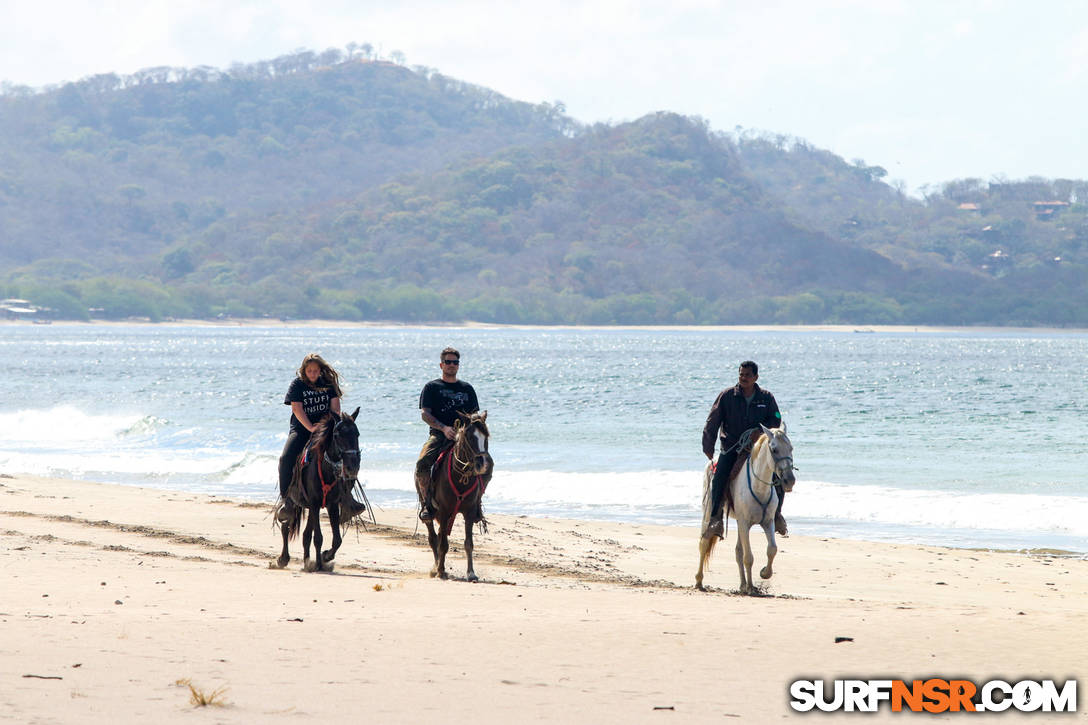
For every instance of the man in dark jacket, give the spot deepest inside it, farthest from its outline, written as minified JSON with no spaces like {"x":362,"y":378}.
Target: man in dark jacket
{"x":736,"y":410}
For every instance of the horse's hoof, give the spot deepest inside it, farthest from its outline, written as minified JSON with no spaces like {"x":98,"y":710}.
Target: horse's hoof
{"x":472,"y":577}
{"x":327,"y":555}
{"x":765,"y":573}
{"x":443,"y":575}
{"x":329,"y":567}
{"x":309,"y":565}
{"x":434,"y":573}
{"x":279,"y":563}
{"x":700,"y":587}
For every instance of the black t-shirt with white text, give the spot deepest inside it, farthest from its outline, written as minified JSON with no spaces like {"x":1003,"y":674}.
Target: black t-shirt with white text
{"x":446,"y":400}
{"x":316,"y":401}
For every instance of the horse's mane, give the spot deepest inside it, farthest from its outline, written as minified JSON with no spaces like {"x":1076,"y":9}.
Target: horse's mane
{"x":476,"y":419}
{"x":323,"y":430}
{"x":760,"y":442}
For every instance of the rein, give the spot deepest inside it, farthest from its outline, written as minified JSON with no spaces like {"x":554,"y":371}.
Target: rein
{"x":770,"y":484}
{"x":762,"y":504}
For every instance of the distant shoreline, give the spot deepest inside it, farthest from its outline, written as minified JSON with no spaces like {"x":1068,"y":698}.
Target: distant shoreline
{"x":468,"y":324}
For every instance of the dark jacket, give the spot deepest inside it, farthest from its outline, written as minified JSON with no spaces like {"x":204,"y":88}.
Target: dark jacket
{"x":730,"y":416}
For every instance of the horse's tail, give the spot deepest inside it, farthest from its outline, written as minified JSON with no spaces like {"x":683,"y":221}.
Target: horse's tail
{"x":708,"y":482}
{"x":295,"y":524}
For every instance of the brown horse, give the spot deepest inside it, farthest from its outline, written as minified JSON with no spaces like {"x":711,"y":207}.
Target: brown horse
{"x":459,"y":480}
{"x":323,"y":478}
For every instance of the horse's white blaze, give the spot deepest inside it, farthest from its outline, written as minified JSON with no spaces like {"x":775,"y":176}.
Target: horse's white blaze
{"x":481,"y":442}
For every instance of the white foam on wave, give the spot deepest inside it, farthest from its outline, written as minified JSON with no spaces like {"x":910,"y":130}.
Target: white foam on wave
{"x":253,"y":468}
{"x":559,"y":488}
{"x":65,"y":425}
{"x":682,"y":491}
{"x":942,"y":509}
{"x":152,"y":462}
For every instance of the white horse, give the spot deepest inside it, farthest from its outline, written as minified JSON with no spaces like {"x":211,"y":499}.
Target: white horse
{"x":754,"y":501}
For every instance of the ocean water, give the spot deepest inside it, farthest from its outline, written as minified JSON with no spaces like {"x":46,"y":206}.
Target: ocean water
{"x":963,"y":438}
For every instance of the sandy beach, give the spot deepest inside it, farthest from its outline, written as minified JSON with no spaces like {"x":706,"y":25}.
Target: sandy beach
{"x":117,"y":599}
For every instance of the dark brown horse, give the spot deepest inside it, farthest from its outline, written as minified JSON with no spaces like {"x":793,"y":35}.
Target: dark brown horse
{"x":459,"y":480}
{"x":323,"y":478}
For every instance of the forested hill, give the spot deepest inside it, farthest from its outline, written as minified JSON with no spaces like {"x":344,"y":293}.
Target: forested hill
{"x":339,"y":186}
{"x":112,"y":170}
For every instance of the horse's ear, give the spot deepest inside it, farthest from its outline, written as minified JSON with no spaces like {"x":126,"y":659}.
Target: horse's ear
{"x":462,"y":417}
{"x":783,"y":427}
{"x":483,"y":416}
{"x":766,"y":430}
{"x":355,"y":414}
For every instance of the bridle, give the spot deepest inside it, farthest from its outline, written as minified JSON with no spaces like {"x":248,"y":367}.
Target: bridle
{"x":464,"y":474}
{"x":462,"y":442}
{"x":336,"y":462}
{"x":779,"y":461}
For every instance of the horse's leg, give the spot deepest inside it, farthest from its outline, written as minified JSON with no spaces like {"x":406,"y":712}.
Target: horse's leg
{"x":744,"y":556}
{"x":772,"y":549}
{"x":334,"y":521}
{"x":285,"y":557}
{"x":312,"y":520}
{"x":318,"y":538}
{"x":471,"y":576}
{"x":432,"y":539}
{"x":443,"y":549}
{"x":706,"y":548}
{"x":706,"y":542}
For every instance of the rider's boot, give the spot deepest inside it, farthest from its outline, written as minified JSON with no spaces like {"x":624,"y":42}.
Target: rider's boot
{"x":353,"y":507}
{"x":423,"y":490}
{"x":286,"y":509}
{"x":716,"y":527}
{"x":779,"y":522}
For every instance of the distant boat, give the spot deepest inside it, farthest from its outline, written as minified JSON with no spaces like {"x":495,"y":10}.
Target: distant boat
{"x":42,"y":322}
{"x":867,"y":329}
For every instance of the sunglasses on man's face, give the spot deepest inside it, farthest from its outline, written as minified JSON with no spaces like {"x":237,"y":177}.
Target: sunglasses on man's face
{"x":451,"y":362}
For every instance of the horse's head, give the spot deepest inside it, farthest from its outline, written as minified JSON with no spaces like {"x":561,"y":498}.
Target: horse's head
{"x":343,"y":444}
{"x":782,"y":452}
{"x":472,"y":437}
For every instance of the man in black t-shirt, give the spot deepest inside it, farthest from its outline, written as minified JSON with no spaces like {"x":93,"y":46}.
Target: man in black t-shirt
{"x":440,"y":402}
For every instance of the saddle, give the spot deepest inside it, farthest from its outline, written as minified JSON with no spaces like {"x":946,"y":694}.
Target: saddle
{"x":440,"y":459}
{"x":742,"y":457}
{"x":294,"y":490}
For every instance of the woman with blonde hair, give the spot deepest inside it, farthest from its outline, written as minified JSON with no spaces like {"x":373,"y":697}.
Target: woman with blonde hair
{"x":313,"y":394}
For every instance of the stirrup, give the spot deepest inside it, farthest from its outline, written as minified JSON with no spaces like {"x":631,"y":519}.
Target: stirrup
{"x":283,"y":515}
{"x":426,"y":513}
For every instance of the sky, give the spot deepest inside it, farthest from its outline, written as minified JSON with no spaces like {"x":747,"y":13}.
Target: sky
{"x":930,"y":90}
